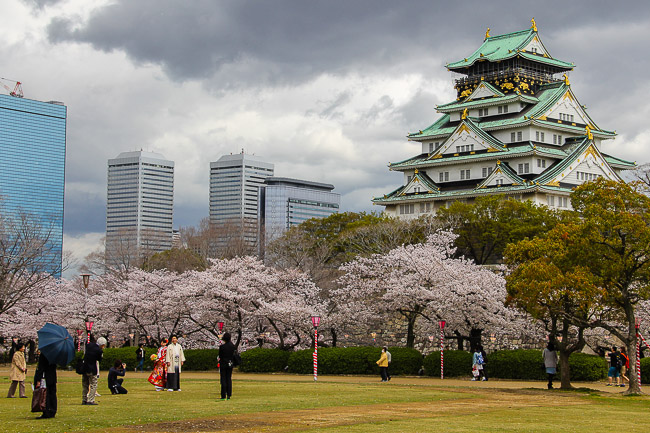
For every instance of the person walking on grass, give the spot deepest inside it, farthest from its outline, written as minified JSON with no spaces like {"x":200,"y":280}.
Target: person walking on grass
{"x":226,"y":359}
{"x":383,"y":364}
{"x":175,"y":360}
{"x":18,"y":372}
{"x":550,"y":362}
{"x":94,"y":354}
{"x":614,"y":371}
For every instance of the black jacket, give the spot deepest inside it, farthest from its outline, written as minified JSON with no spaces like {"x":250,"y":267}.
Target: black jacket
{"x":226,"y":352}
{"x":45,"y":370}
{"x":139,"y":353}
{"x":112,"y":376}
{"x":94,"y":354}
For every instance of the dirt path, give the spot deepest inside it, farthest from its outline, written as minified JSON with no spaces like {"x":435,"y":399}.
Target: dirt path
{"x":297,"y":420}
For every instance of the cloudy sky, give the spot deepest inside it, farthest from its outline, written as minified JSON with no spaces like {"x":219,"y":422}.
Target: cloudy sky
{"x":325,"y":90}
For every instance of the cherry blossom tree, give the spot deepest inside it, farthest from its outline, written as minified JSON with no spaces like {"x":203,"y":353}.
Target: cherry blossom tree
{"x":425,"y":281}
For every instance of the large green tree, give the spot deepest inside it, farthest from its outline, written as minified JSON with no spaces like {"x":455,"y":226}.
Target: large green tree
{"x":549,"y":281}
{"x":486,"y":226}
{"x":607,"y":252}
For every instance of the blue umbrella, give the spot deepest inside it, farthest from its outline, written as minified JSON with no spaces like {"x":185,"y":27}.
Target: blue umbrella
{"x":56,"y":343}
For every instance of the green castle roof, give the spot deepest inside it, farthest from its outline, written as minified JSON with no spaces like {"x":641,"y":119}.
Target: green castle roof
{"x":503,"y":47}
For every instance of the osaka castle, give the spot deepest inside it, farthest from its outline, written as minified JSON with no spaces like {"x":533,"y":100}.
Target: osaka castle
{"x":516,"y":128}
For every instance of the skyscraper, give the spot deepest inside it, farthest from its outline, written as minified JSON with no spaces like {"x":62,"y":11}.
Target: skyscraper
{"x":32,"y":171}
{"x":139,"y":207}
{"x":286,"y":202}
{"x":234,"y":189}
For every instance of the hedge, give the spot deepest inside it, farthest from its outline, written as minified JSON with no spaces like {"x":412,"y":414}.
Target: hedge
{"x":516,"y":364}
{"x":458,"y":363}
{"x":260,"y":360}
{"x":195,"y":359}
{"x":355,"y":360}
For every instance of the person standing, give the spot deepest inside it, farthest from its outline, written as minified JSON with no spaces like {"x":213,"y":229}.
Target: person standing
{"x":175,"y":360}
{"x":158,"y":376}
{"x":46,"y":370}
{"x":94,"y":354}
{"x":18,"y":372}
{"x":139,"y":356}
{"x":383,"y":364}
{"x":226,"y":363}
{"x":550,"y":362}
{"x":115,"y":384}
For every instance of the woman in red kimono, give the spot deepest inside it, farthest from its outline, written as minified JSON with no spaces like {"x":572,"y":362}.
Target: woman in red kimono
{"x":158,"y":376}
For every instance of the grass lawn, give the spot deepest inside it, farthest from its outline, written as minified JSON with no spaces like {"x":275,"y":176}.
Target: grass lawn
{"x":277,"y":403}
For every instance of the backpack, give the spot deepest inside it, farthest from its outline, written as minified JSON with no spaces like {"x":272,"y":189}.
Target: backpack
{"x":479,"y":359}
{"x":80,"y":368}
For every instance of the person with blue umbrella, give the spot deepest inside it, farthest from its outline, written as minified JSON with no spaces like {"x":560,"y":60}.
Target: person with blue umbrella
{"x":57,"y":347}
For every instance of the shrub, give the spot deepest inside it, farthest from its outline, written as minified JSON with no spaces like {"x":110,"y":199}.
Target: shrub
{"x":200,"y":359}
{"x":645,"y":370}
{"x":458,"y":363}
{"x":261,"y":360}
{"x":587,"y":368}
{"x":516,"y":364}
{"x":528,"y":365}
{"x":405,"y":361}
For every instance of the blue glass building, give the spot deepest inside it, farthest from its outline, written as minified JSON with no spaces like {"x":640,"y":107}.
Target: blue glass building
{"x":32,"y":168}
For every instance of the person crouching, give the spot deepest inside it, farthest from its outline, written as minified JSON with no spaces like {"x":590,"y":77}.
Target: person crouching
{"x":115,"y":384}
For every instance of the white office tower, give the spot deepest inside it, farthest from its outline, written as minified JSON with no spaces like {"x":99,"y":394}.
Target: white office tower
{"x":139,"y":208}
{"x":234,"y":189}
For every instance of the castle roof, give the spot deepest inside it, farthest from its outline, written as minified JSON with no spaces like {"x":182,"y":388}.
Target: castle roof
{"x":507,"y":46}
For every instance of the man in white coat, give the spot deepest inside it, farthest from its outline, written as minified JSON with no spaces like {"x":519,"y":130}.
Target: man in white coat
{"x":174,"y":360}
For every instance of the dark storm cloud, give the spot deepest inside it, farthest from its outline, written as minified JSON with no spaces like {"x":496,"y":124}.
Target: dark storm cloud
{"x":194,"y":40}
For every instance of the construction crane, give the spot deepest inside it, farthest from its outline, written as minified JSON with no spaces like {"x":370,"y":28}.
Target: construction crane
{"x":17,"y":92}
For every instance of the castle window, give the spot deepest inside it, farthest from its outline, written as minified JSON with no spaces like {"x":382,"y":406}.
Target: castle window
{"x":430,"y":147}
{"x":498,"y":182}
{"x":444,"y":177}
{"x":541,"y":163}
{"x":559,"y":139}
{"x":500,"y":109}
{"x":536,"y":135}
{"x":541,"y":134}
{"x":512,"y":137}
{"x":505,"y":108}
{"x":464,"y":174}
{"x":554,"y":139}
{"x":519,"y":136}
{"x":421,"y":207}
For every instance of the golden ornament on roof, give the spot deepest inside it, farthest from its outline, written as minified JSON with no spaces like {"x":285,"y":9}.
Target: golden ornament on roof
{"x":464,"y":116}
{"x":487,"y":33}
{"x":566,"y":79}
{"x":588,"y":132}
{"x":534,"y":24}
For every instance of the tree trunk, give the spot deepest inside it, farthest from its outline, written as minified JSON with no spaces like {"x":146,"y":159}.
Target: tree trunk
{"x":410,"y":330}
{"x":459,"y":338}
{"x":565,"y":371}
{"x":474,"y":339}
{"x":333,"y":332}
{"x":632,"y":374}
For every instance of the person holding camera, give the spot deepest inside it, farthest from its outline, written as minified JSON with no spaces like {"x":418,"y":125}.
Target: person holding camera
{"x":115,"y":384}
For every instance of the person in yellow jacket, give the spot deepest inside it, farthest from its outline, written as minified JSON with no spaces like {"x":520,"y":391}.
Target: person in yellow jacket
{"x":383,"y":364}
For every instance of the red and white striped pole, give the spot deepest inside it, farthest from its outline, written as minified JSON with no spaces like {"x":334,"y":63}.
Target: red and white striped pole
{"x":637,"y":325}
{"x":315,"y":320}
{"x":442,"y":323}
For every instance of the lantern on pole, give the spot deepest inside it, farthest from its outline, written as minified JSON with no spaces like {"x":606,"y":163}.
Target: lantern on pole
{"x":315,"y":320}
{"x":442,"y":324}
{"x":637,"y":325}
{"x":220,"y":327}
{"x":89,"y":328}
{"x":373,"y":335}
